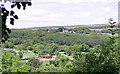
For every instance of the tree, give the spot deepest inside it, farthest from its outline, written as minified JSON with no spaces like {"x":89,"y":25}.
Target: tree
{"x":21,"y":47}
{"x":30,"y":48}
{"x":12,"y":63}
{"x":20,"y":55}
{"x":54,"y":62}
{"x":60,"y":29}
{"x":84,"y":48}
{"x":106,"y":58}
{"x":34,"y":63}
{"x":50,"y":68}
{"x":101,"y":58}
{"x":5,"y":13}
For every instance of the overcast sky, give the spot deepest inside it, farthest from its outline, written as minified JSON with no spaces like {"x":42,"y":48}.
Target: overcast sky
{"x":65,"y":12}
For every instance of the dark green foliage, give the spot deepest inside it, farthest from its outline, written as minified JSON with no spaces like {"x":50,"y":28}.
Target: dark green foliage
{"x":24,"y":5}
{"x":16,"y":17}
{"x":5,"y":30}
{"x":7,"y":45}
{"x":105,"y":59}
{"x":34,"y":62}
{"x":12,"y":63}
{"x":60,"y":29}
{"x":23,"y":36}
{"x":29,"y":3}
{"x":12,"y":13}
{"x":12,"y":21}
{"x":20,"y":55}
{"x":99,"y":27}
{"x":82,"y":30}
{"x":54,"y":62}
{"x":18,"y":5}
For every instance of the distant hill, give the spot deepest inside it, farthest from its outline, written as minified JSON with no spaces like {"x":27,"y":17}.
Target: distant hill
{"x":89,"y":26}
{"x":92,"y":26}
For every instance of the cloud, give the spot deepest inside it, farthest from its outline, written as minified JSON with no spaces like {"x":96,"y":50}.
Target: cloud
{"x":107,"y":9}
{"x":65,"y":12}
{"x":79,"y":1}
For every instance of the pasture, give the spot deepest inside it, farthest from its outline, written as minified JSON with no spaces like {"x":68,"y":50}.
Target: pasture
{"x":28,"y":54}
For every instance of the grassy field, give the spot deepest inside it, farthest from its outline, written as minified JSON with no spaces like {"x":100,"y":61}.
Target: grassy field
{"x":45,"y":62}
{"x":29,"y":54}
{"x":97,"y":29}
{"x":103,"y":29}
{"x":109,"y":34}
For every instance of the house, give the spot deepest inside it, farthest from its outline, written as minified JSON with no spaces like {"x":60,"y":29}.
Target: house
{"x":73,"y":32}
{"x":45,"y":57}
{"x":68,"y":31}
{"x":65,"y":30}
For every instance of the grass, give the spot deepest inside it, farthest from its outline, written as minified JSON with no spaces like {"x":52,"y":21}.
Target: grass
{"x":45,"y":62}
{"x":97,"y":29}
{"x":109,"y":34}
{"x":103,"y":29}
{"x":29,"y":54}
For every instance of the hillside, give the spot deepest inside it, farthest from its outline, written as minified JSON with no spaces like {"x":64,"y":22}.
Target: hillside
{"x":50,"y":49}
{"x":91,"y":26}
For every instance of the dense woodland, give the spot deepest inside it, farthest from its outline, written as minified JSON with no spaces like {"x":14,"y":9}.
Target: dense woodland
{"x":92,"y":51}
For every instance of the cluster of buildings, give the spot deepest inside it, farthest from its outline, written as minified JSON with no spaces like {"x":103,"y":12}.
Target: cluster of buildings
{"x":68,"y":31}
{"x":47,"y":57}
{"x":42,"y":57}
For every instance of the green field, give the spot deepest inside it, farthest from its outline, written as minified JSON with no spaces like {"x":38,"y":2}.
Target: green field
{"x":29,"y":54}
{"x":45,"y":62}
{"x":109,"y":34}
{"x":103,"y":29}
{"x":97,"y":29}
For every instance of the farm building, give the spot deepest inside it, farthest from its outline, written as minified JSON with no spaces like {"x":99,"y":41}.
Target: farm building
{"x":52,"y":56}
{"x":68,"y":31}
{"x":45,"y":57}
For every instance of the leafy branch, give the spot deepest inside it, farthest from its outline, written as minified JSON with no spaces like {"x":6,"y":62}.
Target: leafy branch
{"x":5,"y":13}
{"x":113,"y":31}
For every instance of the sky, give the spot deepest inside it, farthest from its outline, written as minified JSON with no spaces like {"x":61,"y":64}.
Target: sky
{"x":65,"y":12}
